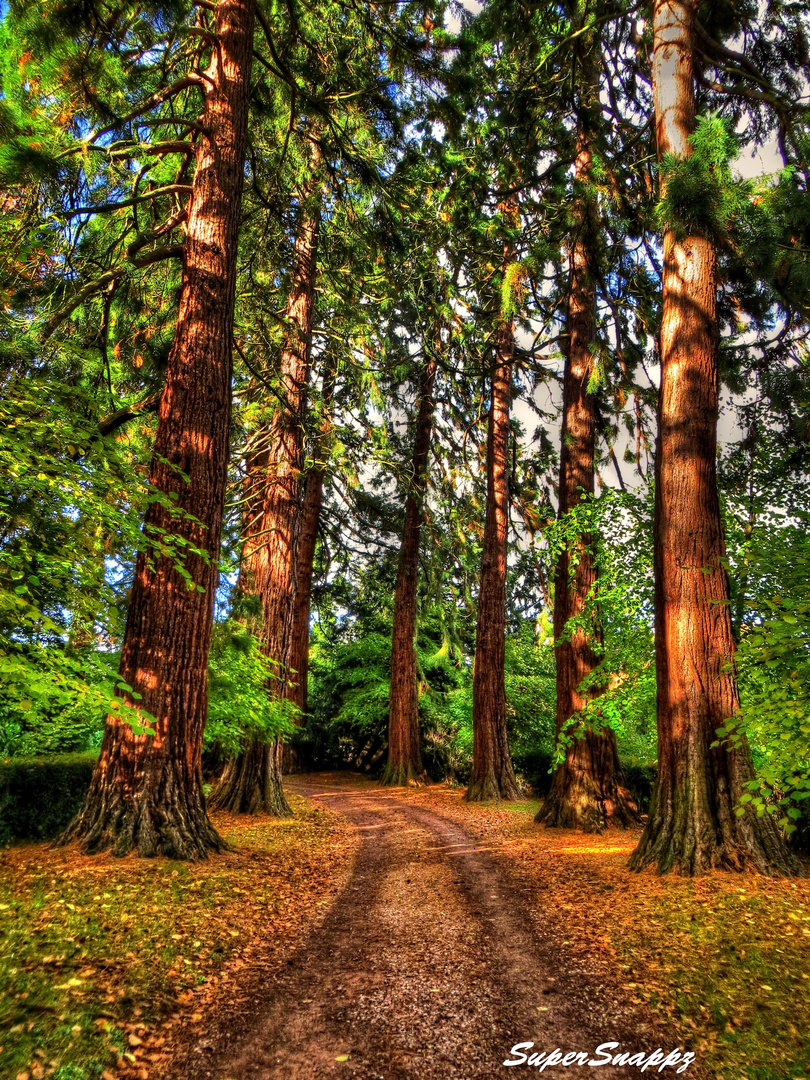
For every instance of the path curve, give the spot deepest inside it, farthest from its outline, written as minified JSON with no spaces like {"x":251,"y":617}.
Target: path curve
{"x":427,"y":966}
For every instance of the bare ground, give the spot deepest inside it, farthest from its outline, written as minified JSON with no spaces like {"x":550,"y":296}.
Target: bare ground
{"x":430,"y":964}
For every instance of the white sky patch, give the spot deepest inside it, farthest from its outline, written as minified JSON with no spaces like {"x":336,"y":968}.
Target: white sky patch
{"x":454,"y":20}
{"x":762,"y":161}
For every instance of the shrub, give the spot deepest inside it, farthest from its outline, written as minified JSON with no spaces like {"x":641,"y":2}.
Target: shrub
{"x":240,"y":708}
{"x":447,"y":736}
{"x":54,"y":702}
{"x":40,"y":796}
{"x":347,"y":725}
{"x":531,"y":704}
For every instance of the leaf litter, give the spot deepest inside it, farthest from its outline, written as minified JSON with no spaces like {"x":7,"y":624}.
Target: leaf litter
{"x":105,"y":963}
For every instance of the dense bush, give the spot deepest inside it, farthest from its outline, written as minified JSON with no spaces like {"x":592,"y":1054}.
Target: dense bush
{"x":67,"y":696}
{"x":40,"y":796}
{"x":531,"y":704}
{"x":773,"y":662}
{"x":347,"y":726}
{"x":239,"y":707}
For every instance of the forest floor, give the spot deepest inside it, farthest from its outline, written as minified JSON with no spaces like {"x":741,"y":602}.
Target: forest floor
{"x":390,"y":934}
{"x":105,"y":964}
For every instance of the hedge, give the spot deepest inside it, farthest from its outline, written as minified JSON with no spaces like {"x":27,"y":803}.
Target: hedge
{"x":40,"y":796}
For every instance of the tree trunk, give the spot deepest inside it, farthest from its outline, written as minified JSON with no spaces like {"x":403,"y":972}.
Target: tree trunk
{"x":692,"y":825}
{"x":146,"y":793}
{"x":588,"y":790}
{"x":252,"y":782}
{"x":307,"y":541}
{"x":404,"y":764}
{"x":492,"y":776}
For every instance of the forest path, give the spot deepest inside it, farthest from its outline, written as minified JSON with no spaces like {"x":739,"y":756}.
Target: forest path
{"x":427,"y":966}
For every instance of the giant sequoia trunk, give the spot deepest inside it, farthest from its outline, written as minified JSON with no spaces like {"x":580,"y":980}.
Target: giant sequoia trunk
{"x":252,"y":782}
{"x":298,"y":653}
{"x":692,"y":825}
{"x":404,"y":764}
{"x":588,"y":790}
{"x":492,"y":774}
{"x":146,"y":792}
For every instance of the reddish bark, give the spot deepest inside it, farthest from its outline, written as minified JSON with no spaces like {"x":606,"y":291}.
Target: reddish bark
{"x":252,"y":782}
{"x":587,"y":790}
{"x":404,"y":764}
{"x":307,"y":542}
{"x":692,"y":825}
{"x":146,"y":793}
{"x":493,"y":777}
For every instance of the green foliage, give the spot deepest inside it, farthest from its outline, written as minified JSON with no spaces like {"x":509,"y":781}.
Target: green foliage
{"x":513,"y":288}
{"x":40,"y":796}
{"x":617,"y":618}
{"x":447,"y":733}
{"x":445,"y":704}
{"x":531,"y":701}
{"x":69,"y":525}
{"x":699,"y":195}
{"x":242,"y":707}
{"x":68,"y":696}
{"x":773,"y":661}
{"x":348,"y":700}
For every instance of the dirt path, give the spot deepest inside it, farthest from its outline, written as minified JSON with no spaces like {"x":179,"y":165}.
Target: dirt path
{"x":427,"y":966}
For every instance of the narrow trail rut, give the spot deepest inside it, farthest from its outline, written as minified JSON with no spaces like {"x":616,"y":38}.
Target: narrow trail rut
{"x":427,"y":966}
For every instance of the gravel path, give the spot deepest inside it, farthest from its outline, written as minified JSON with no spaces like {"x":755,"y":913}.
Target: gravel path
{"x":428,"y":966}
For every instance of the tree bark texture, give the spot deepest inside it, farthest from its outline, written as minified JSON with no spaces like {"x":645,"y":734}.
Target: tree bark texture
{"x":404,"y":764}
{"x":692,"y":825}
{"x":305,"y":560}
{"x":146,"y":793}
{"x":588,"y":790}
{"x":493,"y":777}
{"x":253,"y":781}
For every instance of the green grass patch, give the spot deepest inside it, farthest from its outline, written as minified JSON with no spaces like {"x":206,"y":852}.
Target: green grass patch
{"x":737,"y":971}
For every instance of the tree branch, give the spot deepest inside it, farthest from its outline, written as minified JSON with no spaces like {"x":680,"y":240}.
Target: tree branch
{"x":152,"y":102}
{"x":100,"y":283}
{"x":108,"y":424}
{"x":111,"y":207}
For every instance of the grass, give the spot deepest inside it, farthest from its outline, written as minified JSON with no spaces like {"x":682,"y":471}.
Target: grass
{"x":100,"y":958}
